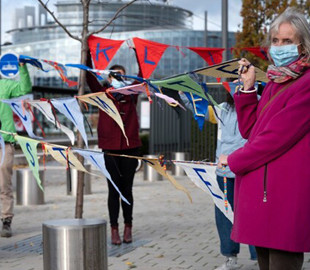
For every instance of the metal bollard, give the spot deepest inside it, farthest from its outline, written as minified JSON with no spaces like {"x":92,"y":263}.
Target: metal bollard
{"x":176,"y":170}
{"x":72,"y":185}
{"x":75,"y":244}
{"x":149,"y":173}
{"x":27,"y":189}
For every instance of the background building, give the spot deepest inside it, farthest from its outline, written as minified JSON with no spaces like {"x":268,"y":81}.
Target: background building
{"x":35,"y":34}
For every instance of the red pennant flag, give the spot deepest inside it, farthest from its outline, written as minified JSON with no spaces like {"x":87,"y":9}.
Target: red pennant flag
{"x":148,"y":54}
{"x":211,"y":55}
{"x":103,"y":50}
{"x":258,"y":51}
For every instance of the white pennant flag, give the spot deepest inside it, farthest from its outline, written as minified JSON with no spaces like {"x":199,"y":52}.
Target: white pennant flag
{"x":204,"y":177}
{"x":105,"y":104}
{"x":71,"y":109}
{"x":97,"y":159}
{"x":22,"y":113}
{"x":46,"y":109}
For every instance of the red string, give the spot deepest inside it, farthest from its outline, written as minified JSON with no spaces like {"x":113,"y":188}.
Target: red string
{"x":148,"y":92}
{"x":35,"y":119}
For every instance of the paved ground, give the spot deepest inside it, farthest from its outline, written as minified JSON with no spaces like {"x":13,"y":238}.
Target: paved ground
{"x":169,"y":232}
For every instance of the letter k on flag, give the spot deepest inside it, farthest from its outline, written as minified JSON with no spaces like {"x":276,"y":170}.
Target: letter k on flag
{"x":103,"y":50}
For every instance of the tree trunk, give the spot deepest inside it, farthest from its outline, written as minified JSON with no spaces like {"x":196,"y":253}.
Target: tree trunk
{"x":82,"y":84}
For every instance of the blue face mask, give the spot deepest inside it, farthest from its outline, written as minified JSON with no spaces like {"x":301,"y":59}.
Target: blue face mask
{"x":117,"y":84}
{"x":284,"y":55}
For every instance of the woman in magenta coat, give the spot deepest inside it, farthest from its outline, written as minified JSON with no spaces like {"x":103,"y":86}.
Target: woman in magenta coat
{"x":272,"y":187}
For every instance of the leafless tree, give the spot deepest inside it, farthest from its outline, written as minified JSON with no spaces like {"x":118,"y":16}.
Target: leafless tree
{"x":82,"y":78}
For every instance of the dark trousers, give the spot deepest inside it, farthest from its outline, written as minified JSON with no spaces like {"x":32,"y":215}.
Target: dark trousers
{"x":122,"y":171}
{"x":273,"y":259}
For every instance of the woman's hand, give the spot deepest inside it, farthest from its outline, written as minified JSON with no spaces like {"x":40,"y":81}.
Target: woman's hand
{"x":247,"y":71}
{"x":222,"y":161}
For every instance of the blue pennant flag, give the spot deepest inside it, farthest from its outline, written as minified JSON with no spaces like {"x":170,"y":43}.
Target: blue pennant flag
{"x":32,"y":61}
{"x":200,"y":107}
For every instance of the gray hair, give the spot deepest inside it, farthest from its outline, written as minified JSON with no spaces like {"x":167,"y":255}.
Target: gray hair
{"x":298,"y":21}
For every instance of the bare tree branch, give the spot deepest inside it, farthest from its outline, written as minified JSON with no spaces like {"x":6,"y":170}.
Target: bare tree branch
{"x":113,"y":18}
{"x":58,"y":22}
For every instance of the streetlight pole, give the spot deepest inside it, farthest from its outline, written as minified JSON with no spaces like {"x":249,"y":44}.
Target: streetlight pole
{"x":225,"y":28}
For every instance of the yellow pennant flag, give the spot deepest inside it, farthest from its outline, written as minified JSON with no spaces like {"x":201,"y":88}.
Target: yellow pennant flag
{"x":229,"y":69}
{"x":154,"y":163}
{"x":105,"y":104}
{"x":61,"y":154}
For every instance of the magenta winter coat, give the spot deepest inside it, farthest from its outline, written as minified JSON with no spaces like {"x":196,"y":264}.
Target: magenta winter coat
{"x":276,"y":159}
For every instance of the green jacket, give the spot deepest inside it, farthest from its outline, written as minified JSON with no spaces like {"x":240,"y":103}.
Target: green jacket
{"x":12,"y":89}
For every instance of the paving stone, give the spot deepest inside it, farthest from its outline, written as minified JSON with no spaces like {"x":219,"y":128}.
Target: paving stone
{"x":169,"y":232}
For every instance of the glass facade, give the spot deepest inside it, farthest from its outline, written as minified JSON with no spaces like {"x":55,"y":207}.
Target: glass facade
{"x":157,"y":22}
{"x":138,"y":16}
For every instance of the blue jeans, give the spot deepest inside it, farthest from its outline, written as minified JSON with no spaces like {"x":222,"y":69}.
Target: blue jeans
{"x":224,"y":226}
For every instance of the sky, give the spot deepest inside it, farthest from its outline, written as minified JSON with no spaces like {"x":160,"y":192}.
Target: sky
{"x":197,"y":7}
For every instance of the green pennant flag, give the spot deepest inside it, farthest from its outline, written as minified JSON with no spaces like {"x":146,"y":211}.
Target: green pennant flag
{"x":29,"y":148}
{"x":182,"y":83}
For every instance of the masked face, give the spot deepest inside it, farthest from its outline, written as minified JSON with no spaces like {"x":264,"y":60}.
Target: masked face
{"x":117,"y":84}
{"x":284,"y":55}
{"x":284,"y":45}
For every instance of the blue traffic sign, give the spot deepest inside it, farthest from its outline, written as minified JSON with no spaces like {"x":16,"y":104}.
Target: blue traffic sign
{"x":9,"y":65}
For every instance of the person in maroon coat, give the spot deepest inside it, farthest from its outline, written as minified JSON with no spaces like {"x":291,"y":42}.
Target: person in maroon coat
{"x":112,"y":140}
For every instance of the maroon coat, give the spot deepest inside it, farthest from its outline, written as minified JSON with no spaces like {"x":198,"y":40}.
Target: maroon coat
{"x":110,"y":136}
{"x":276,"y":160}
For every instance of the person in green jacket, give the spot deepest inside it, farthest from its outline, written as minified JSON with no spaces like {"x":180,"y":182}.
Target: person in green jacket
{"x":9,"y":89}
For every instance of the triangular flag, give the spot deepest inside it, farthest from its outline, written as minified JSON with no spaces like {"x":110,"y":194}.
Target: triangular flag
{"x":18,"y":108}
{"x":200,"y":107}
{"x":61,"y":69}
{"x":97,"y":159}
{"x":228,"y":69}
{"x":148,"y":53}
{"x":175,"y":95}
{"x":182,"y":83}
{"x":101,"y":100}
{"x":129,"y":89}
{"x":211,"y":55}
{"x":64,"y":156}
{"x":204,"y":177}
{"x":103,"y":50}
{"x":32,"y":61}
{"x":29,"y":148}
{"x":71,"y":109}
{"x":155,"y":164}
{"x":261,"y":52}
{"x":46,"y":109}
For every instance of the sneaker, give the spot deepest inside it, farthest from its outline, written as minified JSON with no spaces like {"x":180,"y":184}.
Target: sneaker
{"x":6,"y":227}
{"x":230,"y":264}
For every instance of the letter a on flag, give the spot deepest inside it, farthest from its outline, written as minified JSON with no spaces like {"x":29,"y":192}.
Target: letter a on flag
{"x":103,"y":50}
{"x":148,"y":55}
